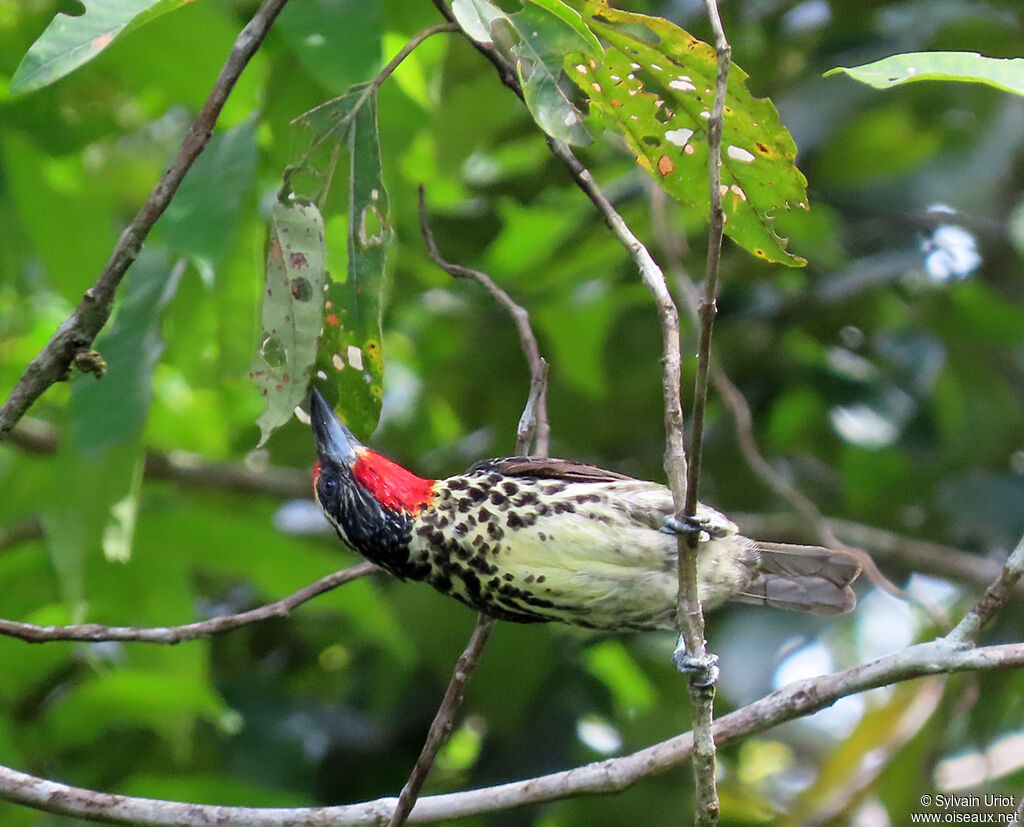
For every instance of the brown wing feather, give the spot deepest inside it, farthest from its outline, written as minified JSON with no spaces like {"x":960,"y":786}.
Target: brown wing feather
{"x":803,"y":579}
{"x":550,"y":469}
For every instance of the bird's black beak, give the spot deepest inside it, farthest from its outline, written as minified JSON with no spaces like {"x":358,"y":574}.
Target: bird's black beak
{"x":334,"y":442}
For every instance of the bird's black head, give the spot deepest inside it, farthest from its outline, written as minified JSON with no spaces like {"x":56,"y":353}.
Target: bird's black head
{"x":369,"y":500}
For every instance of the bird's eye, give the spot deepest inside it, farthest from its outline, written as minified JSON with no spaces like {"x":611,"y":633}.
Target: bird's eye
{"x":329,"y":486}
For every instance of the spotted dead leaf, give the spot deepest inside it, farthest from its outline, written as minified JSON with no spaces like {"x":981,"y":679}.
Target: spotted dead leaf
{"x":292,"y":311}
{"x":655,"y":85}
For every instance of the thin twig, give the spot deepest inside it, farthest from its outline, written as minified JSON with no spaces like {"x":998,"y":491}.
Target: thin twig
{"x":796,"y":700}
{"x":77,"y":332}
{"x":193,"y":470}
{"x":441,"y":727}
{"x":536,"y":408}
{"x":94,"y":632}
{"x":369,"y":90}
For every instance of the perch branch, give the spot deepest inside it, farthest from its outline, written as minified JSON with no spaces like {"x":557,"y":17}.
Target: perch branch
{"x":77,"y":332}
{"x":689,"y":612}
{"x":94,"y":632}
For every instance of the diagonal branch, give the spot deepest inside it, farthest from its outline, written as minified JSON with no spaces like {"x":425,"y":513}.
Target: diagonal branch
{"x":441,"y":726}
{"x":176,"y":634}
{"x":75,"y":336}
{"x":967,"y":630}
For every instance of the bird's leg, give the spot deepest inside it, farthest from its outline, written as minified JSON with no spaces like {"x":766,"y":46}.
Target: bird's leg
{"x":702,"y":672}
{"x":694,"y":525}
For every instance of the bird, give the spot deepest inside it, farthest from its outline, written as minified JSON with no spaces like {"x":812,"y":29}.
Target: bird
{"x":532,"y":539}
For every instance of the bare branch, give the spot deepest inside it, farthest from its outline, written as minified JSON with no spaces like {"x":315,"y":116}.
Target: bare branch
{"x":535,"y":415}
{"x":441,"y":728}
{"x":76,"y":334}
{"x":795,"y":700}
{"x":94,"y":632}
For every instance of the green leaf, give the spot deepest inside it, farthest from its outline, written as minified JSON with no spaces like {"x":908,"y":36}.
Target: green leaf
{"x":970,"y":67}
{"x":349,"y":360}
{"x":292,"y":306}
{"x":68,"y":41}
{"x":112,"y":411}
{"x":96,"y":491}
{"x":205,"y":212}
{"x":337,"y":40}
{"x":159,"y":700}
{"x":657,"y":91}
{"x":476,"y":17}
{"x":571,"y":18}
{"x":545,"y":30}
{"x":544,"y":39}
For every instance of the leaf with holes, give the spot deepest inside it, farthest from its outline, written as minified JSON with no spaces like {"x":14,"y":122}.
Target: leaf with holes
{"x":658,"y":92}
{"x":68,"y":41}
{"x":292,"y":307}
{"x":350,"y":365}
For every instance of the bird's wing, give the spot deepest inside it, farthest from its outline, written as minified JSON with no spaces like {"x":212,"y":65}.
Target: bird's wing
{"x":549,"y":469}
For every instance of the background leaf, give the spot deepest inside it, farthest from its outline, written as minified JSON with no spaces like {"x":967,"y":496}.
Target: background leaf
{"x":68,"y":41}
{"x":1002,"y":73}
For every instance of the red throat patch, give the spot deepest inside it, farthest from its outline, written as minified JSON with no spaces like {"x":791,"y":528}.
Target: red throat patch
{"x":391,"y":484}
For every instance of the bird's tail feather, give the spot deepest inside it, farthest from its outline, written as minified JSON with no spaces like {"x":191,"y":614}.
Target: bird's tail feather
{"x":804,"y":579}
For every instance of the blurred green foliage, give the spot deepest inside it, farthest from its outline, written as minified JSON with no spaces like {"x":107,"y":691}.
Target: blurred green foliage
{"x":887,"y":394}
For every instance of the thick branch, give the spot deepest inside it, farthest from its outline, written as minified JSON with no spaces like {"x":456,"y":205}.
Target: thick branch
{"x":176,"y":634}
{"x":793,"y":701}
{"x":76,"y":334}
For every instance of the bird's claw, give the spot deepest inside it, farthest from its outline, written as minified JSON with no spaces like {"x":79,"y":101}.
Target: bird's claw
{"x":703,"y":672}
{"x":687,"y":525}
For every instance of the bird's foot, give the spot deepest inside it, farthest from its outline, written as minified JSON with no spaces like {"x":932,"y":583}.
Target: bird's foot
{"x":687,"y":525}
{"x":703,"y":672}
